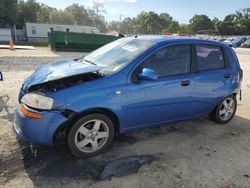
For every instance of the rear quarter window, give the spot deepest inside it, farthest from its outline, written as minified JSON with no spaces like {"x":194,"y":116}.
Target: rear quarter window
{"x":209,"y":57}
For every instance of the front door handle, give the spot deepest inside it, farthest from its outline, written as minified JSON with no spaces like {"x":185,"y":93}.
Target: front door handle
{"x":227,"y":75}
{"x":185,"y":83}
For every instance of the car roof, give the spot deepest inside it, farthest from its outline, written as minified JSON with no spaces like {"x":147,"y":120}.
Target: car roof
{"x":165,"y":39}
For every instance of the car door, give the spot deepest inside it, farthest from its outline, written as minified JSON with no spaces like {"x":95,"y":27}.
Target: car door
{"x":212,"y":80}
{"x":166,"y":99}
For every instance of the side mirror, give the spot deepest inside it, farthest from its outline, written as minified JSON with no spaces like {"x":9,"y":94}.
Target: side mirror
{"x":1,"y":76}
{"x":147,"y":74}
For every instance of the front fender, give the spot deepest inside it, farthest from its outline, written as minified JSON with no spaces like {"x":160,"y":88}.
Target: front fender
{"x":104,"y":93}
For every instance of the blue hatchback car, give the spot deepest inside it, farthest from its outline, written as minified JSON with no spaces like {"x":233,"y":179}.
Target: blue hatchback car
{"x":129,"y":84}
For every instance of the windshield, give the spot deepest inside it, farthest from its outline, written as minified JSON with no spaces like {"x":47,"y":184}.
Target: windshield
{"x":117,"y":54}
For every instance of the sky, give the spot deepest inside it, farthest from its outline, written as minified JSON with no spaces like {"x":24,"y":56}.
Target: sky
{"x":180,"y":10}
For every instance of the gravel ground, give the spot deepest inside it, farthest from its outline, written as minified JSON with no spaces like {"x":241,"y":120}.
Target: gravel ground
{"x":195,"y":153}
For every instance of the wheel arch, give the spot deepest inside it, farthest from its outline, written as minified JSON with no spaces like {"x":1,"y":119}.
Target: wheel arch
{"x":213,"y":114}
{"x":232,"y":93}
{"x":66,"y":127}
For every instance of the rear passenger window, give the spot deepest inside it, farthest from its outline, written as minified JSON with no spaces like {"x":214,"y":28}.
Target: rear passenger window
{"x":209,"y":57}
{"x":170,"y":61}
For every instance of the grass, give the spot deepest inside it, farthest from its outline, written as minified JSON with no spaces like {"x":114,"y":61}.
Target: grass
{"x":26,"y":43}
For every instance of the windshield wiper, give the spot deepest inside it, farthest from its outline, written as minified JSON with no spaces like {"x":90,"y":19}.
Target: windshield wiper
{"x":89,"y":62}
{"x":77,"y":59}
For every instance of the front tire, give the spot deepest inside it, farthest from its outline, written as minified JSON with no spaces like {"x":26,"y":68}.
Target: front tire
{"x":225,"y":110}
{"x":91,"y":135}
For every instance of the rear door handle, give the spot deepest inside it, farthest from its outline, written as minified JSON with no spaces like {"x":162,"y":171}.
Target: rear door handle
{"x":227,"y":75}
{"x":185,"y":83}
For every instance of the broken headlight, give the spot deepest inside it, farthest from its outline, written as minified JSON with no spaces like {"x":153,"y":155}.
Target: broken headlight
{"x":37,"y":101}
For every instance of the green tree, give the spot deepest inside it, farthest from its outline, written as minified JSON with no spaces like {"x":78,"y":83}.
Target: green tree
{"x":61,"y":17}
{"x":97,"y":21}
{"x":229,"y":25}
{"x":147,"y":23}
{"x":185,"y":29}
{"x":27,"y":12}
{"x":153,"y":23}
{"x":97,"y":15}
{"x":245,"y":23}
{"x":123,"y":27}
{"x":80,"y":15}
{"x":165,"y":20}
{"x":242,"y":22}
{"x":102,"y":25}
{"x":43,"y":14}
{"x":139,"y":23}
{"x":8,"y":12}
{"x":150,"y":23}
{"x":126,"y":26}
{"x":24,"y":11}
{"x":216,"y":23}
{"x":201,"y":22}
{"x":173,"y":27}
{"x":114,"y":26}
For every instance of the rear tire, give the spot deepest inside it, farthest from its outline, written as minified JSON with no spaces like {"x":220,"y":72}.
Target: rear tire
{"x":91,"y":135}
{"x":225,"y":110}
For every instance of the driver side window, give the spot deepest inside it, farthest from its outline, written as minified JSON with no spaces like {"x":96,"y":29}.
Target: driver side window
{"x":169,"y":61}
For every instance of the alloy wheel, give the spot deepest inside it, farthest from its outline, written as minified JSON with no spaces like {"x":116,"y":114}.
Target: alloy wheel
{"x":227,"y":109}
{"x":92,"y":136}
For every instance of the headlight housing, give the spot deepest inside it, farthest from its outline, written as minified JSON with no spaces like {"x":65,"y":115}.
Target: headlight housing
{"x":37,"y":101}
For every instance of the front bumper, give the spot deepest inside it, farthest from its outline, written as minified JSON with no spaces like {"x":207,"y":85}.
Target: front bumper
{"x":37,"y":131}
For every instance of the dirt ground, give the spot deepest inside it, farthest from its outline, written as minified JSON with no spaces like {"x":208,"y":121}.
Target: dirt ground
{"x":195,"y":153}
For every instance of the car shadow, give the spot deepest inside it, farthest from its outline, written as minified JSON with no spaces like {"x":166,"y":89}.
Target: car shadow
{"x":57,"y":166}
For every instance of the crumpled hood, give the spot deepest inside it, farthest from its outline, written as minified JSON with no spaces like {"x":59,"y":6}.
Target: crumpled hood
{"x":58,"y":70}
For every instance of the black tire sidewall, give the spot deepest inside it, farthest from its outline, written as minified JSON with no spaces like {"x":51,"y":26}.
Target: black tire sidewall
{"x":71,"y":137}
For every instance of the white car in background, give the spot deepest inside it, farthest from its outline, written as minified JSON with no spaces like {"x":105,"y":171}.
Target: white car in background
{"x":229,"y":40}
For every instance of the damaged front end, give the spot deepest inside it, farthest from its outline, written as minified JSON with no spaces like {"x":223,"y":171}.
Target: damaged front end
{"x":56,"y":85}
{"x":59,"y":75}
{"x":37,"y":118}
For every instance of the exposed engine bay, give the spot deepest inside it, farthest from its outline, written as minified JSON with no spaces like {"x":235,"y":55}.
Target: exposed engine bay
{"x":59,"y":84}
